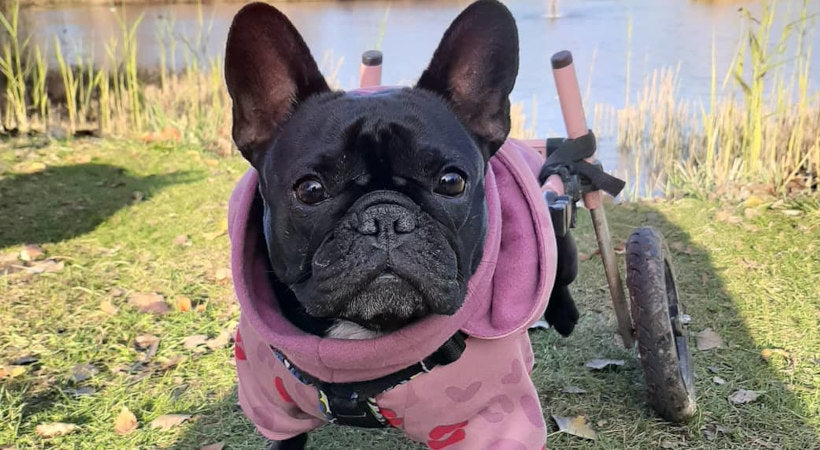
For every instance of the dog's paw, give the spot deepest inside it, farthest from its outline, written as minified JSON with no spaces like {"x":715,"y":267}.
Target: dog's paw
{"x":561,"y":312}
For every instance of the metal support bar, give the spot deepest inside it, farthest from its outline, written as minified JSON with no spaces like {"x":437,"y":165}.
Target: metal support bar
{"x":613,"y":276}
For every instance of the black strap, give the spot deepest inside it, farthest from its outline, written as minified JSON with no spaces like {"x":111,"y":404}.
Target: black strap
{"x":570,"y":157}
{"x":352,"y":403}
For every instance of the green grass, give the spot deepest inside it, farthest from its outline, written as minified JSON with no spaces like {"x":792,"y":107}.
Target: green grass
{"x":110,"y":211}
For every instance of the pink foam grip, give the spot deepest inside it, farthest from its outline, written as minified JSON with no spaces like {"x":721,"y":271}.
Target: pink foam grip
{"x":370,"y":76}
{"x":569,"y":95}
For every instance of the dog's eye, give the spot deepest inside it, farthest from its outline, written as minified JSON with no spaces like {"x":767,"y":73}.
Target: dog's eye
{"x":451,"y":184}
{"x":310,"y":191}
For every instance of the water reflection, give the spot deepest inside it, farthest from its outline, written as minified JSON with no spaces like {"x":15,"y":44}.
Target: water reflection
{"x":597,"y":31}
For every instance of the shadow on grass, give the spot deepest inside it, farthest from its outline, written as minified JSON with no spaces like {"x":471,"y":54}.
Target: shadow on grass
{"x":63,"y":202}
{"x":614,"y":402}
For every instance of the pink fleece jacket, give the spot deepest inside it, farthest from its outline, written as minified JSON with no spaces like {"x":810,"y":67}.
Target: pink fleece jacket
{"x":484,"y":400}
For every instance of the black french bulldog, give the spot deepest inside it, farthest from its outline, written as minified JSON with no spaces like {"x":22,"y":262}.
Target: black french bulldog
{"x":374,"y":208}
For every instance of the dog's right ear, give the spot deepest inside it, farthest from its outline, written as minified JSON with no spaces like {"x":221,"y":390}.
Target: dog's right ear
{"x":268,"y":70}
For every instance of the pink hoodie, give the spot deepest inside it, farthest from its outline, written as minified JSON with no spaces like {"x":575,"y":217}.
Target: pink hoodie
{"x":484,"y":400}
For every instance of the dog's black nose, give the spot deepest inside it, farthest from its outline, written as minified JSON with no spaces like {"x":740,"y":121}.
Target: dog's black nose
{"x":386,"y":219}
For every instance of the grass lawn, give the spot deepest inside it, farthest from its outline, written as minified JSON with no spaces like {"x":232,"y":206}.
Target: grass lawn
{"x":120,"y":218}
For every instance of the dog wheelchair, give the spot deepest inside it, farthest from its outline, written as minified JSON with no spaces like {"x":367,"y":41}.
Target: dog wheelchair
{"x":653,"y":316}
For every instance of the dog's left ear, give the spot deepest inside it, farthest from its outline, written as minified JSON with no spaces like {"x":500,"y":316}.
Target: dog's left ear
{"x":474,"y":69}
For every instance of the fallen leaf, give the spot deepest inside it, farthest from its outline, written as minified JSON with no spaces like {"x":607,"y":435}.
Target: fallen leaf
{"x":81,"y":391}
{"x":742,"y":396}
{"x":125,"y":423}
{"x":25,"y":360}
{"x":200,"y":308}
{"x":221,"y":341}
{"x":792,"y":212}
{"x":116,"y":292}
{"x":768,"y":353}
{"x":182,"y":303}
{"x":712,"y":430}
{"x":708,"y":340}
{"x":182,"y":241}
{"x":222,"y":274}
{"x":12,"y":371}
{"x":676,"y":246}
{"x":82,"y":372}
{"x":194,"y":341}
{"x":211,"y":162}
{"x":214,"y":446}
{"x":584,"y":256}
{"x":137,"y":196}
{"x":149,"y":303}
{"x":47,"y":266}
{"x":759,"y":443}
{"x":172,"y":362}
{"x":576,"y":426}
{"x":712,"y":369}
{"x":668,"y":444}
{"x":602,"y":364}
{"x":143,"y":341}
{"x":573,"y":390}
{"x":718,"y":380}
{"x":107,"y":307}
{"x":168,"y":421}
{"x":31,"y":252}
{"x":620,"y":248}
{"x":50,"y":430}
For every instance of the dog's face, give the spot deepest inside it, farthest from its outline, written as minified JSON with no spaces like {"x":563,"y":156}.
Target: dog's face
{"x":374,"y":207}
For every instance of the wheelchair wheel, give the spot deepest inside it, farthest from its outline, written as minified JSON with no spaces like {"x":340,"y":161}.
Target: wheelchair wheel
{"x":660,"y":326}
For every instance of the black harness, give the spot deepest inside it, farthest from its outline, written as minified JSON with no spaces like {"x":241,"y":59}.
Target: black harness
{"x":354,"y":403}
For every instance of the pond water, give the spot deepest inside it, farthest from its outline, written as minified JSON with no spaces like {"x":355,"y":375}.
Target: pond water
{"x":663,"y":34}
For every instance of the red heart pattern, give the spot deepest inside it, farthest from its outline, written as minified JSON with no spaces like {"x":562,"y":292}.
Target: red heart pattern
{"x":446,"y":435}
{"x":280,"y":388}
{"x":238,"y":350}
{"x":390,"y":415}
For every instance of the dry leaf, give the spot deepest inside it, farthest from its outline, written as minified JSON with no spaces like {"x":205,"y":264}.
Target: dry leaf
{"x":576,"y":426}
{"x":708,"y":340}
{"x":211,"y":162}
{"x":149,"y":303}
{"x":718,"y":380}
{"x":31,"y":252}
{"x":125,"y":423}
{"x":144,"y":341}
{"x":47,"y":266}
{"x":712,"y":369}
{"x":49,"y":430}
{"x":82,"y":372}
{"x":200,"y":308}
{"x":584,"y":256}
{"x":712,"y":430}
{"x":12,"y":371}
{"x":80,"y":391}
{"x":214,"y":446}
{"x":182,"y":241}
{"x":137,"y":196}
{"x":107,"y":307}
{"x":759,"y":443}
{"x":620,"y":248}
{"x":742,"y":396}
{"x":182,"y":303}
{"x":792,"y":212}
{"x":171,"y":362}
{"x":221,"y":341}
{"x":194,"y":341}
{"x":222,"y":274}
{"x":116,"y":292}
{"x":602,"y":364}
{"x":168,"y":421}
{"x":573,"y":390}
{"x":25,"y":360}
